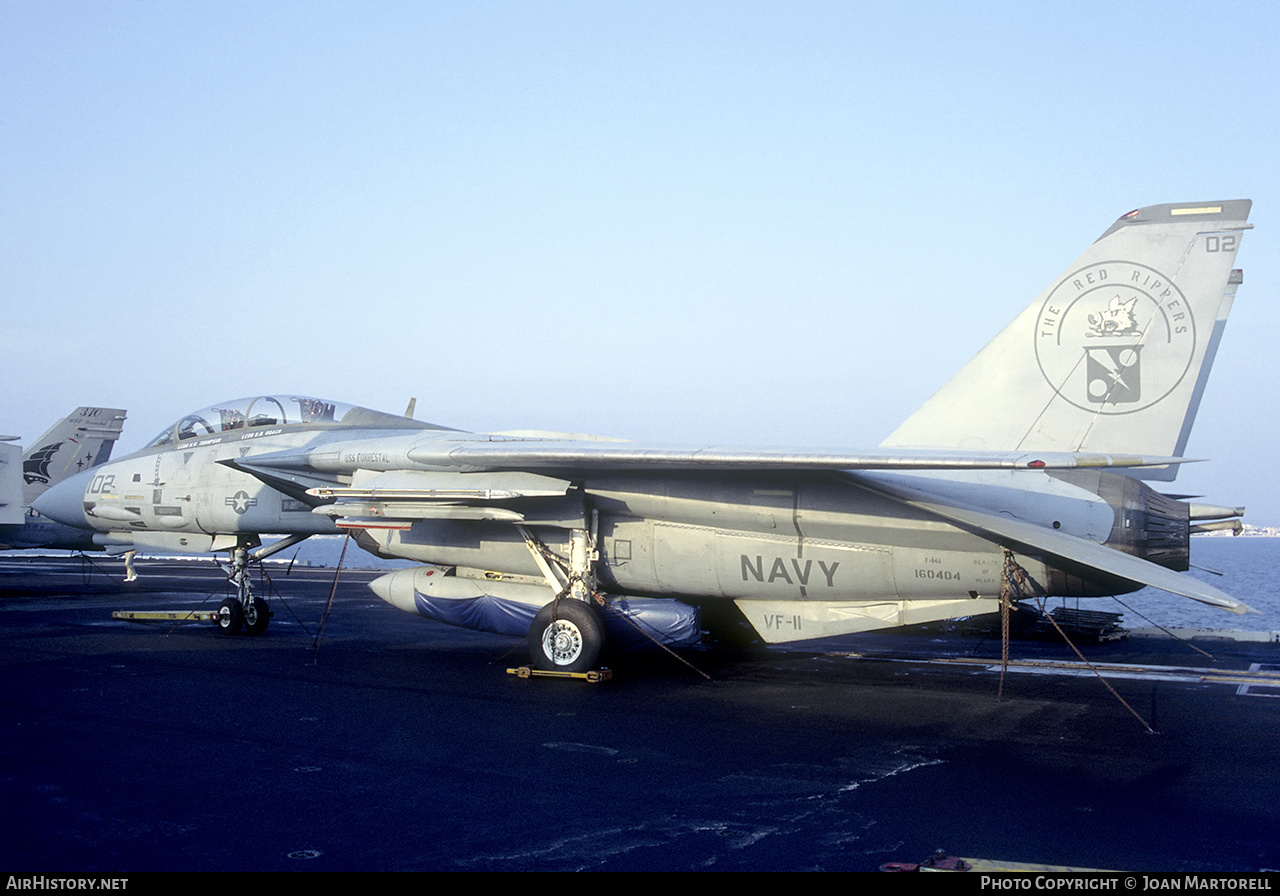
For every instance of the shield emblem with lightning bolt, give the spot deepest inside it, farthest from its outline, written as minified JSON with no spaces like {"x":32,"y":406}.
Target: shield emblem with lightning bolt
{"x":1112,"y":374}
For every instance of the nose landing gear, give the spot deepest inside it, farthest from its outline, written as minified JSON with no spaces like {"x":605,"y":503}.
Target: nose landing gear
{"x":244,"y":610}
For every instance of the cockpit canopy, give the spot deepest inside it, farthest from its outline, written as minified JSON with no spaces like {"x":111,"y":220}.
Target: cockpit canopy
{"x":274,"y":410}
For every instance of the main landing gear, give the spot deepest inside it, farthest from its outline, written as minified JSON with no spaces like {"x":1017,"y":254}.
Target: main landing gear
{"x":567,"y":635}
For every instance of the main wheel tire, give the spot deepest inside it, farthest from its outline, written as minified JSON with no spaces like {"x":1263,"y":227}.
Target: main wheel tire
{"x":566,"y":636}
{"x":261,"y":615}
{"x":230,"y":616}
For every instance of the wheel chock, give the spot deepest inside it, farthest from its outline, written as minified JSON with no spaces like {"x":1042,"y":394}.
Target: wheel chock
{"x":595,"y":676}
{"x":166,"y":615}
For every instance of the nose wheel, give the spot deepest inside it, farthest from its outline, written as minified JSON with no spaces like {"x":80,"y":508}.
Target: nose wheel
{"x":230,"y":616}
{"x":256,"y":616}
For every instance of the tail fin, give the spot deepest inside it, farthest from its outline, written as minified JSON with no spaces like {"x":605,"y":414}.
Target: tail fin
{"x":1113,"y":356}
{"x":81,"y":440}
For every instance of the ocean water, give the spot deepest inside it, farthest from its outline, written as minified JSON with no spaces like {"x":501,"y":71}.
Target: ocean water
{"x":1247,"y":567}
{"x":325,"y":550}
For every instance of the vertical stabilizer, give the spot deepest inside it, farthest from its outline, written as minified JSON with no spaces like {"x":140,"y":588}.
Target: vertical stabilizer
{"x":81,"y":440}
{"x":1113,"y":356}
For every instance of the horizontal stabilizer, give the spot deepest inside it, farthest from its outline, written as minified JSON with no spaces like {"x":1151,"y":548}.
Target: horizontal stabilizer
{"x":1056,"y":547}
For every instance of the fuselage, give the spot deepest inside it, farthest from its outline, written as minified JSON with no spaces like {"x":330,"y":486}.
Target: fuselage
{"x":741,"y":536}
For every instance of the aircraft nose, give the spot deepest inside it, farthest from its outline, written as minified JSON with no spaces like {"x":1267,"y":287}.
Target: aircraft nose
{"x":63,"y":502}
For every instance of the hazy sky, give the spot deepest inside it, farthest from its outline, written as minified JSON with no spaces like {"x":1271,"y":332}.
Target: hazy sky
{"x":732,"y":223}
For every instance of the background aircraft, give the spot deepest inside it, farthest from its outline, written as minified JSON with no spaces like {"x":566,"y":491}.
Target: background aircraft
{"x":1027,"y":466}
{"x":77,"y":442}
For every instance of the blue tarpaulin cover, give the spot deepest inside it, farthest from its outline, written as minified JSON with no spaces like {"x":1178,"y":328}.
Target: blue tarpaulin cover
{"x":629,"y":621}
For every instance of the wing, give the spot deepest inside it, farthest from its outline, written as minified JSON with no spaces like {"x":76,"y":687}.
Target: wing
{"x":476,"y":452}
{"x":461,"y":476}
{"x":594,"y":456}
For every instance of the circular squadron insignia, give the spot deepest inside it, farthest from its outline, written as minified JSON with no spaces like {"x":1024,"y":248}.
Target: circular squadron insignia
{"x":1115,"y":337}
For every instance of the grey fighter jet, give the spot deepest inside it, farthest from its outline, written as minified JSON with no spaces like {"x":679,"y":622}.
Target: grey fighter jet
{"x":1026,"y":472}
{"x":80,"y":441}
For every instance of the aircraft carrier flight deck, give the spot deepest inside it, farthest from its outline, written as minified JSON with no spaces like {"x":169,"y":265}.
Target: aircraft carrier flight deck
{"x":403,"y":744}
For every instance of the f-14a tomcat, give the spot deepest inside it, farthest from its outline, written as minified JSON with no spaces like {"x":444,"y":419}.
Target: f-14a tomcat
{"x":1037,"y":454}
